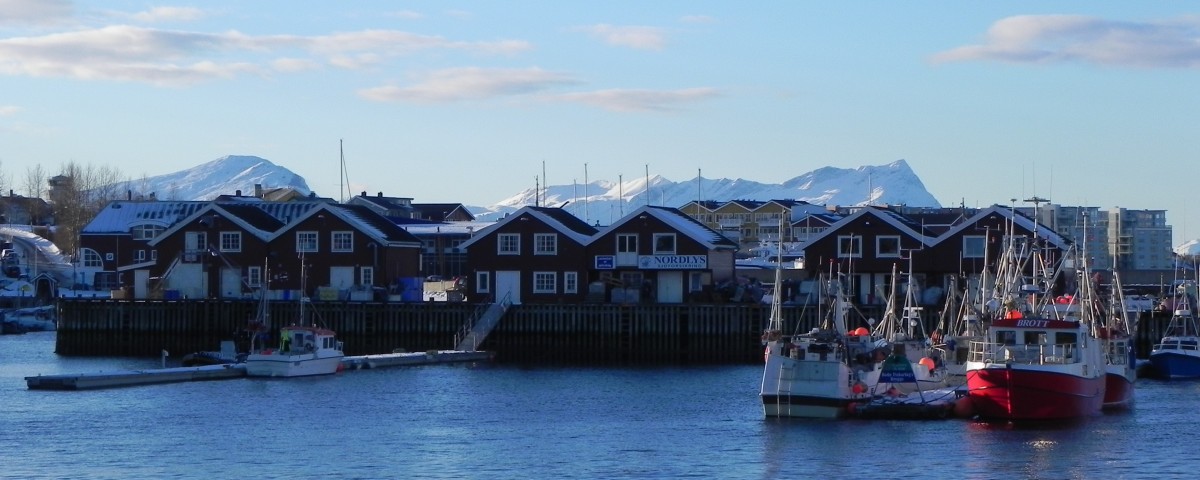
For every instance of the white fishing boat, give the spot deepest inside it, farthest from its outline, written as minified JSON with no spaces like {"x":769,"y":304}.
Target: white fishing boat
{"x":903,"y":331}
{"x":818,"y":374}
{"x":303,"y":350}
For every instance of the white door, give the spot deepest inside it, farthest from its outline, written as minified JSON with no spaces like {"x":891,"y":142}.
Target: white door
{"x":231,"y":282}
{"x":189,"y":279}
{"x":141,"y":284}
{"x":508,"y":283}
{"x":670,"y":287}
{"x":341,"y":278}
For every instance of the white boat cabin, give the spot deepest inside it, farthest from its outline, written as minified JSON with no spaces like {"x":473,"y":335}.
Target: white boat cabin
{"x":1033,"y":341}
{"x":307,"y":339}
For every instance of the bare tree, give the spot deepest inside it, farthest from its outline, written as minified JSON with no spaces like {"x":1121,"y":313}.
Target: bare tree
{"x":79,"y":194}
{"x":35,"y":181}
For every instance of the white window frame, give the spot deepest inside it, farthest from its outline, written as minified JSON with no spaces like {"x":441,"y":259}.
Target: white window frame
{"x":545,"y":244}
{"x":483,"y":282}
{"x":665,"y":251}
{"x":139,"y":256}
{"x":969,"y":239}
{"x":570,"y":282}
{"x":854,"y":242}
{"x":254,"y":276}
{"x":341,"y":241}
{"x":231,"y":241}
{"x":90,"y":258}
{"x":508,"y":244}
{"x":308,"y":241}
{"x":545,"y":282}
{"x":366,"y":276}
{"x":879,"y":253}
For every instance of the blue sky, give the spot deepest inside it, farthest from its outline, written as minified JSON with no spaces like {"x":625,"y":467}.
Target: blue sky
{"x":1086,"y":103}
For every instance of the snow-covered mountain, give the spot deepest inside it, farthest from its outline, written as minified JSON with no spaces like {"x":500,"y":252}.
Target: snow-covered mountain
{"x":894,"y":183}
{"x":223,"y":176}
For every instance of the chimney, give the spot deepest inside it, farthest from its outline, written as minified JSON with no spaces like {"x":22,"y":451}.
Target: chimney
{"x":129,"y":194}
{"x":364,"y":193}
{"x":237,"y":193}
{"x":380,"y":194}
{"x":258,"y":190}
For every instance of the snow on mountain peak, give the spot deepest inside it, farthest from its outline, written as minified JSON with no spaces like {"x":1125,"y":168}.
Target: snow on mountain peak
{"x":223,"y":176}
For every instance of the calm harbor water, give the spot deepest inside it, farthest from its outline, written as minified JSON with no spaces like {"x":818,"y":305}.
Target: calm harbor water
{"x":501,"y":421}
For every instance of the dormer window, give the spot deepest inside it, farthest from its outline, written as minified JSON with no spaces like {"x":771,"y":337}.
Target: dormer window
{"x":145,"y":231}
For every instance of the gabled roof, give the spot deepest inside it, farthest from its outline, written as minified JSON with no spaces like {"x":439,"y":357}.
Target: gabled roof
{"x":679,"y":221}
{"x":213,"y":209}
{"x":892,"y":218}
{"x":372,"y":223}
{"x":1016,"y":217}
{"x":558,"y":219}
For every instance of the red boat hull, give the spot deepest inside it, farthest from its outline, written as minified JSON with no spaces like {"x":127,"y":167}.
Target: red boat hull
{"x":1118,"y":389}
{"x":1020,"y":394}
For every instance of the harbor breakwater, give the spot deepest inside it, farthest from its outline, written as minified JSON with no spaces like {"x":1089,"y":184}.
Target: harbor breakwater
{"x":534,"y":333}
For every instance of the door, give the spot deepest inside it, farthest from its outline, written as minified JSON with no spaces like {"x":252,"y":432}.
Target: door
{"x":231,"y":282}
{"x":341,"y":278}
{"x":141,"y":283}
{"x":670,"y":287}
{"x":508,"y":283}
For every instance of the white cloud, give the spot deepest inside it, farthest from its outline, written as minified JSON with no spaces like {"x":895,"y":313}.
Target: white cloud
{"x":172,"y":57}
{"x":169,"y":14}
{"x":34,"y":11}
{"x":8,"y":110}
{"x":641,"y":100}
{"x":471,"y":83}
{"x":1067,"y":38}
{"x":641,"y":38}
{"x":294,"y":64}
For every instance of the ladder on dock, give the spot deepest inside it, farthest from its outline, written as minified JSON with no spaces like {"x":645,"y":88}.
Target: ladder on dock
{"x":476,"y":330}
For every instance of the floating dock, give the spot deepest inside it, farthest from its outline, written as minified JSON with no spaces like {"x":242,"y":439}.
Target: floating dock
{"x":129,"y":378}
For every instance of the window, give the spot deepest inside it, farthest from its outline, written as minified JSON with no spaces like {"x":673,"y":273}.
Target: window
{"x":254,"y":276}
{"x":570,"y":282}
{"x":849,"y":246}
{"x":341,"y":241}
{"x":508,"y":244}
{"x":154,"y":254}
{"x":887,"y":246}
{"x":108,"y":256}
{"x":90,"y":258}
{"x":664,"y":243}
{"x":973,"y":246}
{"x":366,"y":276}
{"x":627,"y":243}
{"x":544,"y":282}
{"x":545,"y":244}
{"x":483,"y":282}
{"x":231,"y":241}
{"x":145,"y":231}
{"x":306,"y":242}
{"x":139,"y":256}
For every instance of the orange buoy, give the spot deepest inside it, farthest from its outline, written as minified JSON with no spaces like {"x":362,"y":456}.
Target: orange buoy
{"x":928,"y":363}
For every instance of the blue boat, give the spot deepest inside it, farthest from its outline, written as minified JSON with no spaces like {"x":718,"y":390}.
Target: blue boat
{"x":1178,"y":355}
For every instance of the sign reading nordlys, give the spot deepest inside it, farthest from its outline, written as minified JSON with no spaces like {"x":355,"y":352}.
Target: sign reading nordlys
{"x":673,"y":262}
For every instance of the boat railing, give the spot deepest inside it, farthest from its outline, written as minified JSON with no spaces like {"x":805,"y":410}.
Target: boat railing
{"x":1027,"y":354}
{"x":1177,"y":344}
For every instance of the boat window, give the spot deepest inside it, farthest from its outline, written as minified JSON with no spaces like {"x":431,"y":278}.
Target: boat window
{"x":1035,"y":338}
{"x":1066,"y":338}
{"x":1007,"y":337}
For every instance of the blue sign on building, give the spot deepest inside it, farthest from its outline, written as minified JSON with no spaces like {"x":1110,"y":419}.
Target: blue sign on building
{"x":606,"y":262}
